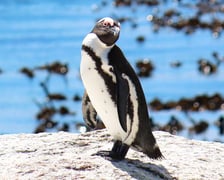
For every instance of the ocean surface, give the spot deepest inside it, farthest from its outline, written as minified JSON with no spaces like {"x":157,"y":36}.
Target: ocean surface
{"x":38,"y":32}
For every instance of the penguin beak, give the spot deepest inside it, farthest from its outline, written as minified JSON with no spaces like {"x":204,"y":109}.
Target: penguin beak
{"x":115,"y":30}
{"x":112,"y":25}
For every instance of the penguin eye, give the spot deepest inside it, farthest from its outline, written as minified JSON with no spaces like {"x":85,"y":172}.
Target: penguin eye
{"x":105,"y":23}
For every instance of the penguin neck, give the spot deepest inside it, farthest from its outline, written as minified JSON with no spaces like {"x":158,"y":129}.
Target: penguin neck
{"x":100,"y":48}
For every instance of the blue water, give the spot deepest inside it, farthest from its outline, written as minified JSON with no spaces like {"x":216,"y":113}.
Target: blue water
{"x":33,"y":33}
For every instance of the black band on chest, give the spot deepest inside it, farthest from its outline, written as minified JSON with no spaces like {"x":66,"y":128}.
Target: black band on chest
{"x":108,"y":80}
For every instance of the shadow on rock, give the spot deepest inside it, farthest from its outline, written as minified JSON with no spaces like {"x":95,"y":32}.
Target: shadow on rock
{"x":142,"y":170}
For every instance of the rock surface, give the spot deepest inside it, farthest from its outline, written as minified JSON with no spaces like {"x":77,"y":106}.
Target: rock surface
{"x":70,"y":156}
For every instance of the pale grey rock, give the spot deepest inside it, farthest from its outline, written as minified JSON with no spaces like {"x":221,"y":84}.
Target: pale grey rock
{"x":70,"y":156}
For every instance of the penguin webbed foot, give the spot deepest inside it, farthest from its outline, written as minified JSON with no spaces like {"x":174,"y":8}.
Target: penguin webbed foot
{"x":105,"y":154}
{"x":118,"y":151}
{"x":109,"y":155}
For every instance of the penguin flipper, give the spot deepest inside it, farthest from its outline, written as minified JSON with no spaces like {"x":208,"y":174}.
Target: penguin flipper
{"x":89,"y":112}
{"x":122,"y":99}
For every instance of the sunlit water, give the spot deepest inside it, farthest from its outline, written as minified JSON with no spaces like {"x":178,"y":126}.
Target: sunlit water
{"x":33,"y":33}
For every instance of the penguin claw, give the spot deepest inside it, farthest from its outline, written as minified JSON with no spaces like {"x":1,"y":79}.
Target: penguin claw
{"x":102,"y":153}
{"x":105,"y":154}
{"x":109,"y":155}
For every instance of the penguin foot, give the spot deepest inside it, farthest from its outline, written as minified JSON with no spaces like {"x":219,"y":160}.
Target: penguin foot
{"x":105,"y":154}
{"x":118,"y":152}
{"x":109,"y":155}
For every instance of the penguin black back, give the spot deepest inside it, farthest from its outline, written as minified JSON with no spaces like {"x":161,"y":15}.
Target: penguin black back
{"x":145,"y":140}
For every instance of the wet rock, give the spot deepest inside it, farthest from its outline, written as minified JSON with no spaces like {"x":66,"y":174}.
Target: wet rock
{"x":28,"y":72}
{"x":176,"y":64}
{"x":56,"y":97}
{"x":199,"y":128}
{"x":52,"y":96}
{"x":45,"y":125}
{"x":156,"y":104}
{"x":184,"y":104}
{"x":218,"y":58}
{"x":64,"y":127}
{"x":220,"y":124}
{"x":122,"y":2}
{"x":145,"y":67}
{"x":149,"y":3}
{"x":174,"y":18}
{"x":46,"y":113}
{"x":197,"y":103}
{"x":140,"y":39}
{"x":63,"y":110}
{"x":171,"y":12}
{"x":77,"y":98}
{"x":40,"y":128}
{"x":140,"y":2}
{"x":206,"y":67}
{"x":56,"y":67}
{"x":173,"y":126}
{"x":205,"y":7}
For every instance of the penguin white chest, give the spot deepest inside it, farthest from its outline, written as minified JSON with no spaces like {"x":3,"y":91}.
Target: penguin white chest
{"x":99,"y":81}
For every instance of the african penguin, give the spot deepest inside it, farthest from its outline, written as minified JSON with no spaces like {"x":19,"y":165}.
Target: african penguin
{"x":115,"y":92}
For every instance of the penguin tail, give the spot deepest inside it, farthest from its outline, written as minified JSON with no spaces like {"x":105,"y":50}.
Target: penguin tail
{"x":154,"y":152}
{"x":145,"y":142}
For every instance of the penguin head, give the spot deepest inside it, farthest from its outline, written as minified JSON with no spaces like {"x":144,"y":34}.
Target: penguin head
{"x":107,"y":30}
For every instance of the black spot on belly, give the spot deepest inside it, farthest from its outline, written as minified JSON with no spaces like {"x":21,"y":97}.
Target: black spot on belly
{"x":130,"y":108}
{"x":111,"y":86}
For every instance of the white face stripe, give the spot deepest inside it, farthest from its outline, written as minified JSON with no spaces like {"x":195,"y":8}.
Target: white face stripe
{"x":91,"y":40}
{"x":109,"y":21}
